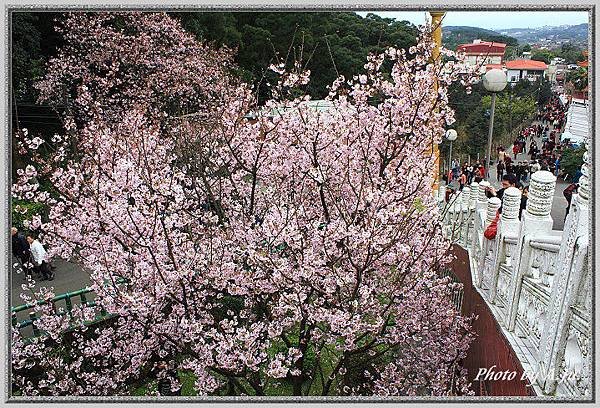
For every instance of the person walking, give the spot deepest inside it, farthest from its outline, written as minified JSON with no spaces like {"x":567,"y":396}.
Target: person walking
{"x":470,"y":173}
{"x":515,"y":150}
{"x":500,"y":170}
{"x":568,"y":193}
{"x":462,"y":180}
{"x":38,"y":255}
{"x":501,"y":154}
{"x":20,"y":249}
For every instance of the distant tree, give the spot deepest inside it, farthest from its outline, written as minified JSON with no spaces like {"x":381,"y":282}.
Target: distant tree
{"x":571,"y":53}
{"x":33,"y":42}
{"x":571,"y":160}
{"x":544,"y":91}
{"x":464,"y":35}
{"x":542,"y":55}
{"x":327,"y":44}
{"x":579,"y":78}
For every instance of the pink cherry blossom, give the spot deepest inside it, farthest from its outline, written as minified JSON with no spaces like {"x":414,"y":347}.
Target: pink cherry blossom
{"x":303,"y":247}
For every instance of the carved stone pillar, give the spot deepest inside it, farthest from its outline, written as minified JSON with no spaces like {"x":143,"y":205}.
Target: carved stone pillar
{"x":482,"y":197}
{"x":567,"y":284}
{"x":511,"y":203}
{"x":455,"y":210}
{"x":536,"y":221}
{"x":441,"y":197}
{"x":485,"y":263}
{"x":474,"y":193}
{"x":465,"y":216}
{"x":492,"y":207}
{"x":509,"y":225}
{"x":479,"y":207}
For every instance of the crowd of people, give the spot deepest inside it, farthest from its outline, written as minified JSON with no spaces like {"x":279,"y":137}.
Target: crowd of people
{"x":30,"y":252}
{"x":545,"y":157}
{"x":512,"y":172}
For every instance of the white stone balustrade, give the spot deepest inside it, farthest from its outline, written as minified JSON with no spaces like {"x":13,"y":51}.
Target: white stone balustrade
{"x":537,"y":282}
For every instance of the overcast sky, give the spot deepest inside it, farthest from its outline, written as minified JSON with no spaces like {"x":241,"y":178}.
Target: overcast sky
{"x":494,"y":19}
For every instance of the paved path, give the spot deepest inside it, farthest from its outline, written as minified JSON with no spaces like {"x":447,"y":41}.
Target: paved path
{"x":559,"y":204}
{"x":68,"y":277}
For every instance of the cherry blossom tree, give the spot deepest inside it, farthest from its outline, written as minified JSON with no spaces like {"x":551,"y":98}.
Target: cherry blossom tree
{"x":298,"y":252}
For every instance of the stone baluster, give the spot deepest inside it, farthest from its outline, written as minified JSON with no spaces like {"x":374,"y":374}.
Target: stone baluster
{"x":474,"y":193}
{"x":482,"y":197}
{"x":479,"y":206}
{"x":480,"y":213}
{"x":509,"y":225}
{"x":466,"y":219}
{"x":536,"y":221}
{"x":468,"y":206}
{"x":441,"y":197}
{"x":456,"y":215}
{"x":492,"y":208}
{"x":568,"y":281}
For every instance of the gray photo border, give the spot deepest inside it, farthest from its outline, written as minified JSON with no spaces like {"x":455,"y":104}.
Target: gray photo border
{"x":335,"y":5}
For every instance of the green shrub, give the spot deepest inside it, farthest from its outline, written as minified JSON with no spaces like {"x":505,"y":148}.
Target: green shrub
{"x":571,"y":160}
{"x":23,"y":210}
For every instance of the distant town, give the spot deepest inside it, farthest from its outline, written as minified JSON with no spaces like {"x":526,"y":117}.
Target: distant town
{"x":553,"y":53}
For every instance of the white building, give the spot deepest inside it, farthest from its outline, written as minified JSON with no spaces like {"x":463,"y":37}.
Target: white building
{"x":521,"y":69}
{"x":482,"y":53}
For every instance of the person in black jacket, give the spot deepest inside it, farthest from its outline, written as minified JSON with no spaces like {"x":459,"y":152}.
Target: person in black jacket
{"x":20,"y":247}
{"x":568,"y":193}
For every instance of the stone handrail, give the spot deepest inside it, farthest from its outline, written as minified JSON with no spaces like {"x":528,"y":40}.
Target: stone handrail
{"x":536,"y":281}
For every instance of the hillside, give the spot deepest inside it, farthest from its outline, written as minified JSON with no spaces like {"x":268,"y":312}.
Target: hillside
{"x":456,"y":35}
{"x":550,"y":36}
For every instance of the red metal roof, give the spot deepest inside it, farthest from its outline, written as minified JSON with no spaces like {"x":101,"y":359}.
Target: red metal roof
{"x":527,"y":64}
{"x":482,"y":48}
{"x":583,"y":63}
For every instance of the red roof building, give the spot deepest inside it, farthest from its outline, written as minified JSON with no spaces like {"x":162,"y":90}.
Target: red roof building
{"x":518,"y":70}
{"x":482,"y":48}
{"x":483,"y":53}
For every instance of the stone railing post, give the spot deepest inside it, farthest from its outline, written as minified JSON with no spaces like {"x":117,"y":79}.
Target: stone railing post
{"x":455,"y":215}
{"x":509,"y":225}
{"x":567,"y":282}
{"x":482,"y":197}
{"x":441,"y":197}
{"x":474,"y":192}
{"x":492,"y":207}
{"x":536,"y":221}
{"x":477,"y":234}
{"x":480,"y":205}
{"x":465,"y":216}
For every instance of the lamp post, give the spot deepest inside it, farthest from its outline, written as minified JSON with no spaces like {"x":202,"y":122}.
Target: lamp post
{"x":451,"y":135}
{"x":494,"y":81}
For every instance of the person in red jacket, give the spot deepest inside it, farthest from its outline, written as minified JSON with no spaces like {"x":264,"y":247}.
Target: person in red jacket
{"x":515,"y":150}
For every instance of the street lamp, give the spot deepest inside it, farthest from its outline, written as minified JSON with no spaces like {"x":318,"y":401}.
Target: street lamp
{"x":494,"y":81}
{"x":451,"y":135}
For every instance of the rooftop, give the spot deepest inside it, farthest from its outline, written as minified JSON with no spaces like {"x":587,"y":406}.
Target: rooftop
{"x":482,"y":47}
{"x":527,"y":64}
